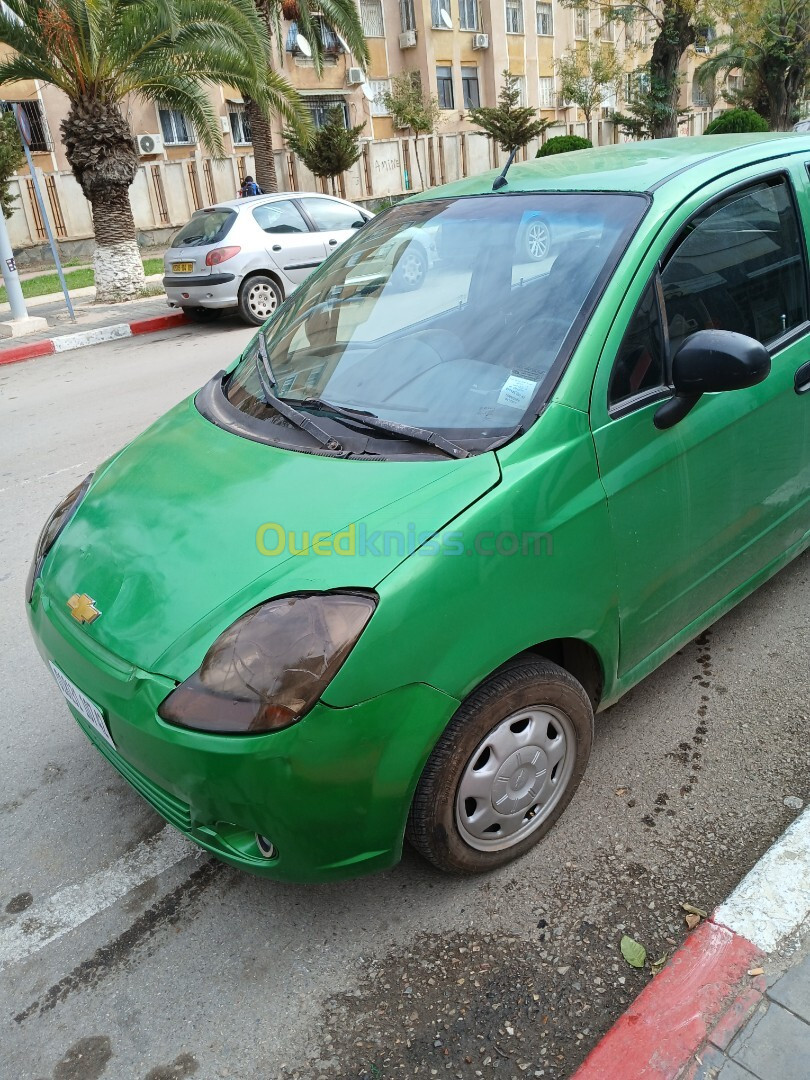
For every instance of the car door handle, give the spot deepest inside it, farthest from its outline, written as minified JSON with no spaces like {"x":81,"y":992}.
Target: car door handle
{"x":801,"y":381}
{"x":333,"y":242}
{"x":276,"y":247}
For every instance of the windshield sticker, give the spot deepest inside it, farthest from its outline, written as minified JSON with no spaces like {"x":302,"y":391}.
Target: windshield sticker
{"x":517,"y":392}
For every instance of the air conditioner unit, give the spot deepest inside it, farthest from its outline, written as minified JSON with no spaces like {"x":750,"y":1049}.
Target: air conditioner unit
{"x":702,"y":49}
{"x":225,"y":124}
{"x":355,"y":76}
{"x":480,"y":41}
{"x":407,"y":39}
{"x":562,"y":103}
{"x":150,"y":144}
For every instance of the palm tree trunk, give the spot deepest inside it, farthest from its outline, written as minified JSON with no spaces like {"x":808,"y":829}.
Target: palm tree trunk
{"x":101,"y":152}
{"x":261,"y":135}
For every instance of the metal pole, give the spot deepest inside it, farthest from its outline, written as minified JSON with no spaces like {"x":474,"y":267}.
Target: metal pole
{"x":47,"y":224}
{"x":10,"y":275}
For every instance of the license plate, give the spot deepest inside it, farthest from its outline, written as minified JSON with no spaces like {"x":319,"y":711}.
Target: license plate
{"x":182,"y":268}
{"x":82,"y":704}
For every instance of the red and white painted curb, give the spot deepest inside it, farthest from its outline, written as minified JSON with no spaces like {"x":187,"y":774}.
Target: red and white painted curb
{"x":93,"y":336}
{"x":705,"y":994}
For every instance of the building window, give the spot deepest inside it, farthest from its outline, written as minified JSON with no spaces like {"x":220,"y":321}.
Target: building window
{"x":469,"y":87}
{"x":371,"y":18}
{"x":240,"y":125}
{"x":636,"y":84}
{"x":607,"y":30}
{"x":520,"y":85}
{"x":407,"y":19}
{"x":546,"y":89}
{"x":514,"y":16}
{"x":177,"y":128}
{"x":379,"y":87}
{"x":40,"y":139}
{"x":582,"y":27}
{"x":468,"y":14}
{"x":545,"y":20}
{"x":702,"y":95}
{"x":734,"y":86}
{"x":444,"y":86}
{"x":319,"y":108}
{"x":440,"y":16}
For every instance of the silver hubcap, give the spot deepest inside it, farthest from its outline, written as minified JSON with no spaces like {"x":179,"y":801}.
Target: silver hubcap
{"x":411,"y":269}
{"x":537,"y":240}
{"x":262,"y":300}
{"x":515,"y":778}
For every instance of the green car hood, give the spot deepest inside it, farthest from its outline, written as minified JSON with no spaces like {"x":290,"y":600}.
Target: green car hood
{"x":165,"y":541}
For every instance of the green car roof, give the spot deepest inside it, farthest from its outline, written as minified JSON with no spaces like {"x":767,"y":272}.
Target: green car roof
{"x":632,"y":166}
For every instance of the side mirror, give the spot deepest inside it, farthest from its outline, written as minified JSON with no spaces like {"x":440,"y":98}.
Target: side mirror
{"x":711,"y":362}
{"x":359,"y":223}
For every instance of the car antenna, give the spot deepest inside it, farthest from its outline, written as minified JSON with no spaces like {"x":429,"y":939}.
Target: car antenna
{"x":500,"y":180}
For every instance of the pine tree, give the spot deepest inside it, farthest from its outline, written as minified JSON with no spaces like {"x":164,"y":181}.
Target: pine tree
{"x":331,"y":149}
{"x":510,"y":124}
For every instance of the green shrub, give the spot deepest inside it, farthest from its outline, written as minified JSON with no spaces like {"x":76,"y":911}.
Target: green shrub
{"x":734,"y":120}
{"x":561,"y":144}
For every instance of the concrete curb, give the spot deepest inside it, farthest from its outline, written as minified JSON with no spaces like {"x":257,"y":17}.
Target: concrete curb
{"x":705,"y":994}
{"x":92,"y":336}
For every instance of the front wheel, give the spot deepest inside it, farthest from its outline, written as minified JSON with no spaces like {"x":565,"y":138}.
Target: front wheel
{"x":259,"y":297}
{"x":504,"y":770}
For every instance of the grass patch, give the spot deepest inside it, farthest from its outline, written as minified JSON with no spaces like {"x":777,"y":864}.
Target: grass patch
{"x":76,"y":279}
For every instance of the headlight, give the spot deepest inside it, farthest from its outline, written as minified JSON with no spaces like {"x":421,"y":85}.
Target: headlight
{"x":51,"y":530}
{"x":266,"y":671}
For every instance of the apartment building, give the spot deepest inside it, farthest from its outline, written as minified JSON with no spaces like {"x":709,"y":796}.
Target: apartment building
{"x":459,"y":47}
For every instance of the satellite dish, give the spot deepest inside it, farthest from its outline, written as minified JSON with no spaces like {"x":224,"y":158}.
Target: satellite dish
{"x":303,"y":45}
{"x":448,"y":22}
{"x":368,"y":93}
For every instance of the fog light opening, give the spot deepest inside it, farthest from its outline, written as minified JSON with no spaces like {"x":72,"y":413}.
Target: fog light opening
{"x":265,"y":846}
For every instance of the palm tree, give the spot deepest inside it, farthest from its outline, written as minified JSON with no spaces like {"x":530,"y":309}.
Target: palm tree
{"x":342,"y":17}
{"x":769,"y":42}
{"x":102,"y":53}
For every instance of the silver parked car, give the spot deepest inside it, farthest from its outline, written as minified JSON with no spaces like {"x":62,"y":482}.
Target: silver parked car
{"x":249,"y":254}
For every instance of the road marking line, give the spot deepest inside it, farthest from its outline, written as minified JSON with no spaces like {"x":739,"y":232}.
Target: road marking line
{"x":44,"y":923}
{"x":45,"y":476}
{"x":773,"y":900}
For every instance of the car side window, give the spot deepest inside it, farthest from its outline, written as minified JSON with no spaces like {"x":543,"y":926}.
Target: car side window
{"x":280,"y":217}
{"x":641,"y":360}
{"x":331,"y":216}
{"x":739,"y":266}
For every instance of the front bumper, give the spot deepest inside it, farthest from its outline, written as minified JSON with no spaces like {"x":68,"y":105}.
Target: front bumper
{"x":332,"y":792}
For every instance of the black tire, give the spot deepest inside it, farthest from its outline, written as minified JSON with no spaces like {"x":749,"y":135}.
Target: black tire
{"x":202,"y":314}
{"x":259,"y":297}
{"x":534,"y":240}
{"x":411,"y":269}
{"x":433,"y":824}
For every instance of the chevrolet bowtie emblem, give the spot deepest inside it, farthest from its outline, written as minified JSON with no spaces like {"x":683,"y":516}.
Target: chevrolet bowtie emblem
{"x":83,"y":608}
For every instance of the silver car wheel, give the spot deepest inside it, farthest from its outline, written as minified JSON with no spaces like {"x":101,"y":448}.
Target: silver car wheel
{"x":411,"y":269}
{"x":538,"y":240}
{"x":262,"y":300}
{"x":515,"y":778}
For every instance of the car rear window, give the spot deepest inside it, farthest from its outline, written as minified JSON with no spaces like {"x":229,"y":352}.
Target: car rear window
{"x":206,"y":227}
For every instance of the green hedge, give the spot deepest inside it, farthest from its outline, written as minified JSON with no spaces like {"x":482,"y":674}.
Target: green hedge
{"x":561,"y":144}
{"x":736,"y":120}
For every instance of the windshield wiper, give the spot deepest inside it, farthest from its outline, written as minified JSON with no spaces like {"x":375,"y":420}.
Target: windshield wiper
{"x":371,"y":420}
{"x":298,"y":419}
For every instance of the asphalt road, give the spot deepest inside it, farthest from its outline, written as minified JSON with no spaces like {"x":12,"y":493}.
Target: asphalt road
{"x":126,"y":954}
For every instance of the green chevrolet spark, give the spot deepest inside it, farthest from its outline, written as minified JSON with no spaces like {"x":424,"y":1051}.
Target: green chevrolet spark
{"x":373,"y":580}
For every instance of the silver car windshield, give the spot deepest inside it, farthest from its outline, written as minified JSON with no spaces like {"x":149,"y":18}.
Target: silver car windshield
{"x":451,"y":316}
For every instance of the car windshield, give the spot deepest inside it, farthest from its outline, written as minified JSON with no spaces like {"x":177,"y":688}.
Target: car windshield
{"x":205,"y":227}
{"x":450,"y":316}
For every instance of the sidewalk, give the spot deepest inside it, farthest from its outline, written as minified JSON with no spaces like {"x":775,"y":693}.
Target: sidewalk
{"x":733,"y":1003}
{"x":774,"y":1043}
{"x":94,"y":323}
